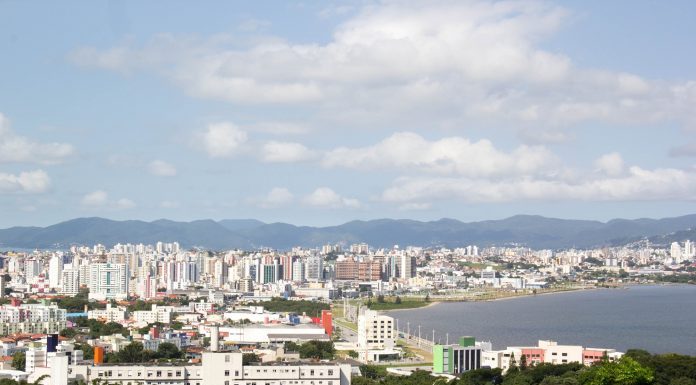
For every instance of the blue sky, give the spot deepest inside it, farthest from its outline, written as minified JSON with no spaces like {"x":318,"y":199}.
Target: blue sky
{"x":322,"y":112}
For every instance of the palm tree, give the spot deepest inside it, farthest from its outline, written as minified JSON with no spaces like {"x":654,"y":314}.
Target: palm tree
{"x":41,"y":378}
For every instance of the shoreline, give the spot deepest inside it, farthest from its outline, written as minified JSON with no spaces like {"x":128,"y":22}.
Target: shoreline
{"x":511,"y":297}
{"x":527,"y":295}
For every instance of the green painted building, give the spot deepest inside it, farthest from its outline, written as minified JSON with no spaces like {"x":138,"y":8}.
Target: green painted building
{"x":455,"y":359}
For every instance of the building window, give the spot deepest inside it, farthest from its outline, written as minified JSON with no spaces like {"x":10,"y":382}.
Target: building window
{"x":227,"y":373}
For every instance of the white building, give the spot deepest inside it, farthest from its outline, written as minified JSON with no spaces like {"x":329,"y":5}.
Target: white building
{"x":161,"y":314}
{"x":70,"y":281}
{"x":376,"y":336}
{"x":55,"y":271}
{"x":108,"y":280}
{"x":546,"y":352}
{"x":110,"y":314}
{"x":216,"y":368}
{"x":31,"y":319}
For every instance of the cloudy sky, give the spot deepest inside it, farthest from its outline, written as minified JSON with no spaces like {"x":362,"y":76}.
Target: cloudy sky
{"x":322,"y":112}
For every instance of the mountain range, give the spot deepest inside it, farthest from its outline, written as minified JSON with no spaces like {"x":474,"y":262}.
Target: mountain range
{"x":527,"y":230}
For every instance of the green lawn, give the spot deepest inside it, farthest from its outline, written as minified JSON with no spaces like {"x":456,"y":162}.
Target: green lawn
{"x":389,"y":304}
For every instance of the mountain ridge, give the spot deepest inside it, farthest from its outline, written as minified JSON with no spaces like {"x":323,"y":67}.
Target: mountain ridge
{"x":531,"y":230}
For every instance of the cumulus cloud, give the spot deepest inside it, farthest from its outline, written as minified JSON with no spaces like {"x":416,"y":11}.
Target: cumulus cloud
{"x":611,"y":164}
{"x":19,"y":149}
{"x":447,"y":60}
{"x":95,"y":198}
{"x":286,"y":152}
{"x":325,"y":197}
{"x":36,"y":181}
{"x":101,"y":199}
{"x":454,"y":155}
{"x":161,"y":168}
{"x":278,"y":196}
{"x":637,"y":184}
{"x":222,"y":140}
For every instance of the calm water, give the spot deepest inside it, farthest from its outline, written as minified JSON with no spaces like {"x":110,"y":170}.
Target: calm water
{"x":659,"y":319}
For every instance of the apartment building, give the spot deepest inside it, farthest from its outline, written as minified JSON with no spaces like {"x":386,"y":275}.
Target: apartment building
{"x":31,"y":319}
{"x":108,"y":281}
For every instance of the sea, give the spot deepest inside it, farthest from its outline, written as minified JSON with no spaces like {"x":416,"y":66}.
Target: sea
{"x":656,"y":318}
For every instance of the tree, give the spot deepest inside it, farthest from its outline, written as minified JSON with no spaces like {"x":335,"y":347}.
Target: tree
{"x":68,"y":333}
{"x":626,"y":371}
{"x":19,"y":361}
{"x":427,"y":297}
{"x":132,"y":352}
{"x":40,"y":379}
{"x":353,"y":354}
{"x":523,"y":362}
{"x":397,"y":300}
{"x":373,"y":371}
{"x":169,"y":350}
{"x":323,"y":350}
{"x":248,"y":358}
{"x":380,"y":298}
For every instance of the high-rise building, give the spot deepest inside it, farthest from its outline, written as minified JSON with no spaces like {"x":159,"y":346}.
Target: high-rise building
{"x":108,"y":280}
{"x":314,"y":270}
{"x":407,"y":269}
{"x":675,"y":252}
{"x":55,"y":271}
{"x":70,"y":281}
{"x":32,"y":269}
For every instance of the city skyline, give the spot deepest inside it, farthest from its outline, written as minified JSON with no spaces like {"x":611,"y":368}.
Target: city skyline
{"x":321,"y":113}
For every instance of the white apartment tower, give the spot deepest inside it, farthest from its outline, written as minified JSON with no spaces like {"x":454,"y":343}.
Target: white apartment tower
{"x":70,"y":281}
{"x":55,"y":271}
{"x":108,"y":280}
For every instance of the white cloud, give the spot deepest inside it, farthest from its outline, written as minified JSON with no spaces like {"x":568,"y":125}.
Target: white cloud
{"x":611,"y":164}
{"x":636,"y":185}
{"x":36,"y":181}
{"x":95,"y":198}
{"x":325,"y":197}
{"x":100,"y":199}
{"x":161,"y":168}
{"x":18,"y":149}
{"x":124,"y":203}
{"x":170,"y":205}
{"x":454,"y":155}
{"x":414,"y":206}
{"x":278,"y":196}
{"x":222,"y":139}
{"x":435,"y":62}
{"x":286,"y":152}
{"x":280,"y":128}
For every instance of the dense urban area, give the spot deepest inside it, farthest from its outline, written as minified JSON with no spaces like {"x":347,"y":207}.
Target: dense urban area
{"x":161,"y":314}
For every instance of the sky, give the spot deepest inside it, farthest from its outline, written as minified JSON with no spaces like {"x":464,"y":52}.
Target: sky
{"x":321,"y":112}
